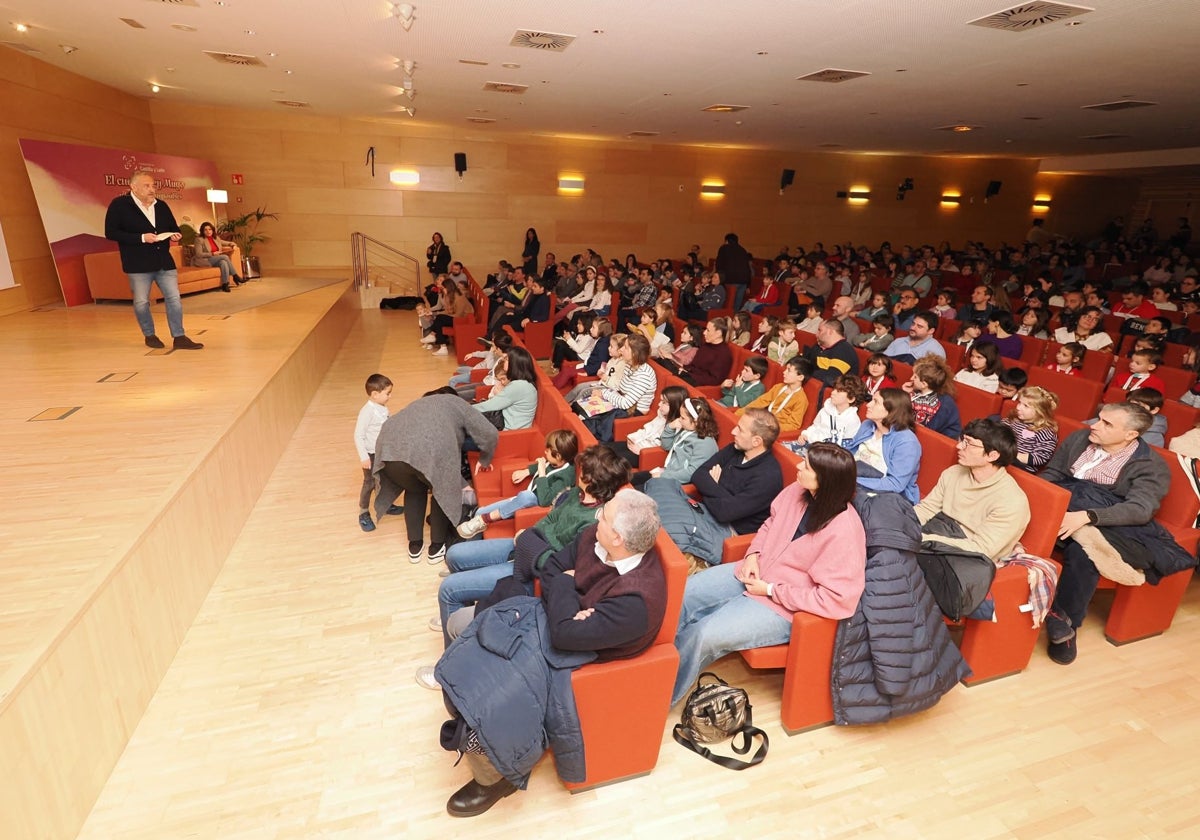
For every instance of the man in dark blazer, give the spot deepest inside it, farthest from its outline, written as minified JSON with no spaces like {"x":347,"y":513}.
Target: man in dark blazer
{"x":136,"y":221}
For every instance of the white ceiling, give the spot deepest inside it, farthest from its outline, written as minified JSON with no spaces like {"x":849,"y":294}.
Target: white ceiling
{"x":652,"y":65}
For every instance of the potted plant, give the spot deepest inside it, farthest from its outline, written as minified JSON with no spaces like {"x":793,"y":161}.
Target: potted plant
{"x":187,"y":242}
{"x":243,"y":230}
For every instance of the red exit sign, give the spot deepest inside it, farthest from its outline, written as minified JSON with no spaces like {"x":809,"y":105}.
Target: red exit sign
{"x":238,"y":179}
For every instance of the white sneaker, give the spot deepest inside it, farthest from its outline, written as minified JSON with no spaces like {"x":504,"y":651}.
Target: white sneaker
{"x":474,"y":525}
{"x":436,"y":554}
{"x":429,"y":339}
{"x":441,"y":351}
{"x":435,"y":624}
{"x":425,"y":678}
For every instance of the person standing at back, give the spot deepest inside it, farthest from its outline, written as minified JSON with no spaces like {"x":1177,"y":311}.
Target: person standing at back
{"x":733,"y":264}
{"x":144,"y":228}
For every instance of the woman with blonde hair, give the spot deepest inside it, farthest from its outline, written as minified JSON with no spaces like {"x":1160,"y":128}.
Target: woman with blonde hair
{"x":1032,"y":421}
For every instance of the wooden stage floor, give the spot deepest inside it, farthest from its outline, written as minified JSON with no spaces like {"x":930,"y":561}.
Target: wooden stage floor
{"x":290,"y":711}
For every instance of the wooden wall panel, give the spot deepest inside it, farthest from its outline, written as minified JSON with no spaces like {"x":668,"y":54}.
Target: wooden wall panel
{"x":335,"y":202}
{"x":603,"y":233}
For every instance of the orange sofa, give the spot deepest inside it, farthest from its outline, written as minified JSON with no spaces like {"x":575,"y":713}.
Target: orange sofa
{"x":107,"y":281}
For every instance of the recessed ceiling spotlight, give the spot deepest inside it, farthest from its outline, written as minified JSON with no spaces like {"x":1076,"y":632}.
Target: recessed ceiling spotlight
{"x":170,"y":69}
{"x":272,"y":55}
{"x":287,"y":72}
{"x":508,"y":65}
{"x":1022,"y":84}
{"x":67,"y":48}
{"x":250,"y":32}
{"x":183,"y":27}
{"x":597,"y":32}
{"x":154,"y":88}
{"x":219,"y":2}
{"x":20,"y":27}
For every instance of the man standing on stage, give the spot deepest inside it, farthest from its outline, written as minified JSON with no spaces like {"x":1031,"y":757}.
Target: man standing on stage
{"x":144,"y":229}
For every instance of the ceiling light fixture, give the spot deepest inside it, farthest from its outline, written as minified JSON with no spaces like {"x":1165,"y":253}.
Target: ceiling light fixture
{"x":154,"y":88}
{"x":20,"y":27}
{"x":67,"y":48}
{"x":404,"y":11}
{"x":409,"y":66}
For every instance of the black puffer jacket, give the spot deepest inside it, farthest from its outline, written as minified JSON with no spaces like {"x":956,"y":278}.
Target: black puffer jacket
{"x":894,"y":656}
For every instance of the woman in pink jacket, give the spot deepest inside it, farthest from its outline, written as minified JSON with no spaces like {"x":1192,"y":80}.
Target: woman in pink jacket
{"x":810,"y":555}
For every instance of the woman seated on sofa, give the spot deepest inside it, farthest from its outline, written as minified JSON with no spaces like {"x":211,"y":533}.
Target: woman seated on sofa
{"x":211,"y":251}
{"x":810,"y":555}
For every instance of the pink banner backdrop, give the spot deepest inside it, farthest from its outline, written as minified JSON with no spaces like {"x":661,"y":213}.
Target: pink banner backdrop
{"x":74,"y":184}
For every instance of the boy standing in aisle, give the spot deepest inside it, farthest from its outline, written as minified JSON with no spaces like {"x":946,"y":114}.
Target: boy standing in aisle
{"x":366,"y":430}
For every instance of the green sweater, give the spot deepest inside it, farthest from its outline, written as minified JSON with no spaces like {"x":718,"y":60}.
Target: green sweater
{"x":741,"y":394}
{"x":552,"y":483}
{"x":564,"y":522}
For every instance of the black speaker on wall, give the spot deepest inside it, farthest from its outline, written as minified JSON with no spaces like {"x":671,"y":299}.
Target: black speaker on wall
{"x":460,"y":163}
{"x":993,"y":188}
{"x":786,"y":179}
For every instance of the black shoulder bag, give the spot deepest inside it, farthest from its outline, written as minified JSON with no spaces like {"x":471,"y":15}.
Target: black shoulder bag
{"x":715,"y":712}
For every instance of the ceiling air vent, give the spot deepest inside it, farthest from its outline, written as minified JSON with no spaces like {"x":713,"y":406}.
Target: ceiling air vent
{"x":25,"y":48}
{"x":830,"y":146}
{"x":830,"y":74}
{"x":480,"y":120}
{"x":130,"y":22}
{"x":724,"y":109}
{"x":1123,"y":105}
{"x":961,"y":128}
{"x":292,"y":103}
{"x":1028,"y":16}
{"x":1104,"y":137}
{"x":505,"y":87}
{"x":634,"y":134}
{"x":546,"y":41}
{"x":472,"y":61}
{"x":235,"y":59}
{"x":195,"y":3}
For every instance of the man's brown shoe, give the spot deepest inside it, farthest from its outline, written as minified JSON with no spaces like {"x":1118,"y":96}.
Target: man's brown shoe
{"x":154,"y":342}
{"x":182,"y":342}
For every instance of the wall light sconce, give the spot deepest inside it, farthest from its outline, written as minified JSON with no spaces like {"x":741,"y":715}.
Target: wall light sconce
{"x":1041,"y":204}
{"x":405,"y":177}
{"x":951,"y":199}
{"x":570,"y":184}
{"x":404,"y":11}
{"x":712,"y":190}
{"x":216,"y":197}
{"x":859,"y":195}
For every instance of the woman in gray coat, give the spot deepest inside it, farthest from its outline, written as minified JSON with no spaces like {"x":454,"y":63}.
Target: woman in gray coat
{"x":417,"y":452}
{"x":211,"y":251}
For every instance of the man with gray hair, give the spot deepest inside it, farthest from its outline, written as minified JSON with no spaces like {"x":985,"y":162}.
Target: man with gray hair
{"x":1117,"y":483}
{"x":604,"y":596}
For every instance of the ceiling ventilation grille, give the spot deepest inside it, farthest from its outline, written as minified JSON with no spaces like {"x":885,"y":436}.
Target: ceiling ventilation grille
{"x":830,"y":146}
{"x":634,"y":134}
{"x":545,"y":41}
{"x":724,"y":109}
{"x":473,"y":61}
{"x":830,"y":74}
{"x":195,"y":3}
{"x":235,"y":59}
{"x":1105,"y":137}
{"x":505,"y":87}
{"x":25,"y":48}
{"x":292,"y":103}
{"x":130,"y":22}
{"x":480,"y":120}
{"x":1123,"y":105}
{"x":1028,"y":16}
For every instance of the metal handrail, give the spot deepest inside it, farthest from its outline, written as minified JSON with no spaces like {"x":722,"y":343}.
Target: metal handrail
{"x":376,"y":263}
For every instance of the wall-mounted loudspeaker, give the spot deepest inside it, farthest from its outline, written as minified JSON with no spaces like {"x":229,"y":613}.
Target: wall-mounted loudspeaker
{"x":787,"y":178}
{"x":460,"y":163}
{"x":993,"y":188}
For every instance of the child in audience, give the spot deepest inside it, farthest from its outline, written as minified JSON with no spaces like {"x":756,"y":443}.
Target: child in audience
{"x":812,"y":319}
{"x":497,"y":348}
{"x":1142,"y":365}
{"x":577,"y":346}
{"x":664,"y":318}
{"x":670,"y":403}
{"x":768,"y":330}
{"x":611,"y":373}
{"x":983,"y":368}
{"x":689,"y":341}
{"x":690,"y":440}
{"x":838,"y":421}
{"x":1068,"y":359}
{"x":784,"y":346}
{"x":944,"y":307}
{"x":552,"y":473}
{"x":787,"y":400}
{"x":966,"y":335}
{"x":366,"y":430}
{"x":1033,"y":323}
{"x":880,"y":337}
{"x":747,"y":387}
{"x":931,"y":390}
{"x":879,"y":305}
{"x":1012,"y":380}
{"x":739,"y":330}
{"x":1032,"y":421}
{"x":878,"y":374}
{"x":591,"y":364}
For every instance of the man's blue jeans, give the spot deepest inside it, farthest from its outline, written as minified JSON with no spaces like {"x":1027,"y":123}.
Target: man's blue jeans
{"x":168,"y":284}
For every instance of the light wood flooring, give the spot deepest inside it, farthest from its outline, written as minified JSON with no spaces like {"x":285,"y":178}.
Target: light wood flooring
{"x":291,"y":712}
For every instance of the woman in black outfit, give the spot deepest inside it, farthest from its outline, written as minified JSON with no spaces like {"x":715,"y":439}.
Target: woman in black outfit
{"x":437,"y":256}
{"x":530,"y":254}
